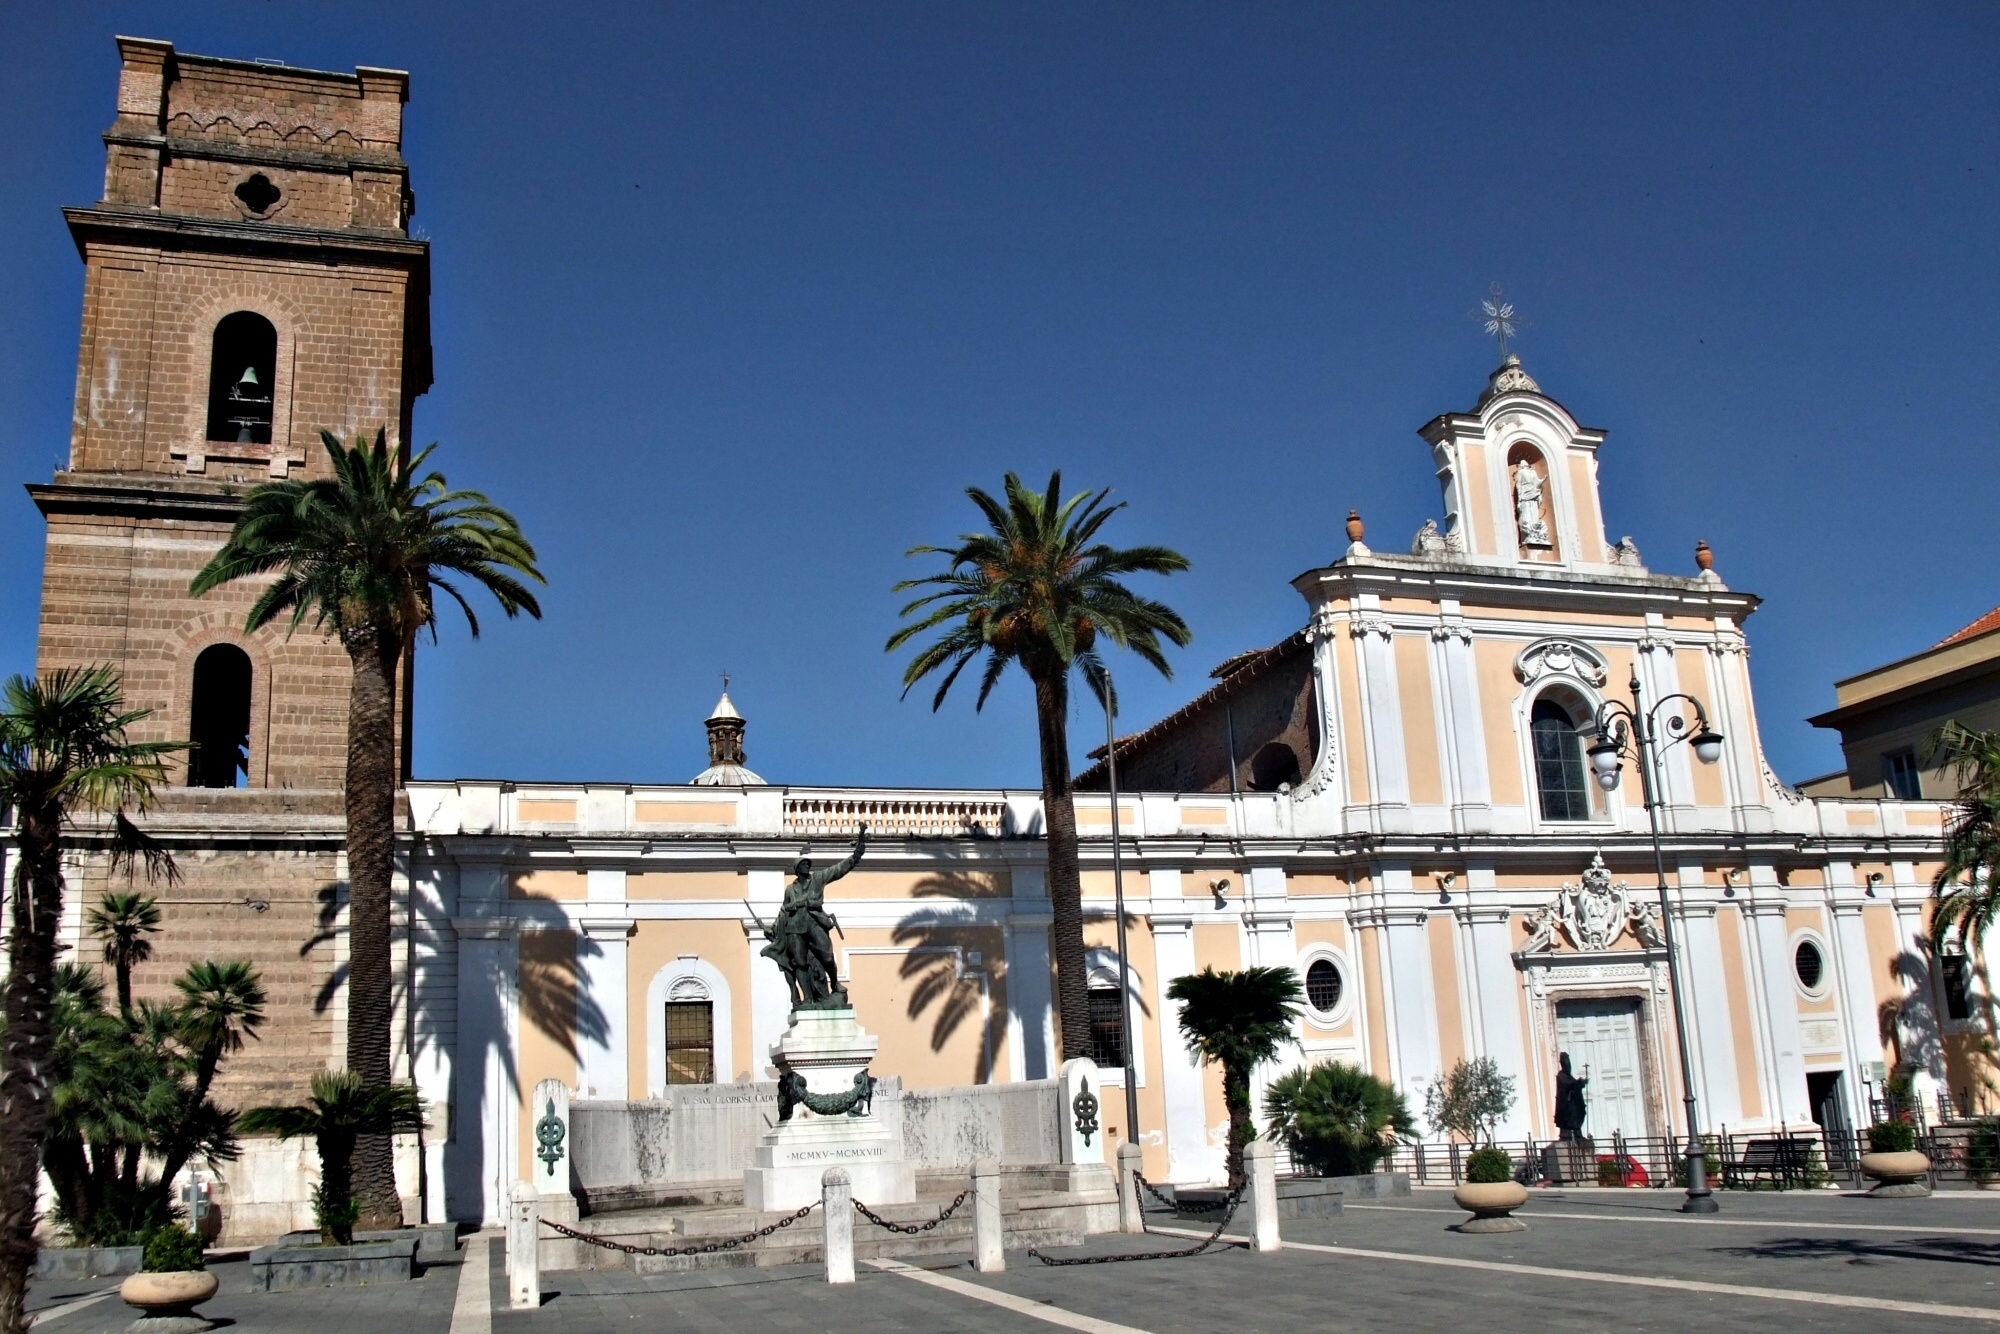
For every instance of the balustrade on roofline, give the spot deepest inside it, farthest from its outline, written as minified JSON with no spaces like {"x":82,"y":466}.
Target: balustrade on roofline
{"x":892,"y":817}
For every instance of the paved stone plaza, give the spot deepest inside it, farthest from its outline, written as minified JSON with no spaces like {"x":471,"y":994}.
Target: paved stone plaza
{"x":1592,"y":1260}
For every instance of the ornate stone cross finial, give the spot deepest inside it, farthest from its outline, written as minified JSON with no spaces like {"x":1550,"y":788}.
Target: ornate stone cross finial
{"x":1499,"y":321}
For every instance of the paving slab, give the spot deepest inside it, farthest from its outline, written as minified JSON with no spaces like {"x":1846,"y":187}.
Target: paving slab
{"x":1590,"y":1261}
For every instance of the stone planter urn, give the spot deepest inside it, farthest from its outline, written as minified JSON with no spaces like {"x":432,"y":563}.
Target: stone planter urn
{"x":1491,"y":1204}
{"x":168,"y":1299}
{"x":1897,"y":1175}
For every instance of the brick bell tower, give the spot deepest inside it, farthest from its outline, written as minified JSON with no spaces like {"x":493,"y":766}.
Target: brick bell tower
{"x":248,"y":281}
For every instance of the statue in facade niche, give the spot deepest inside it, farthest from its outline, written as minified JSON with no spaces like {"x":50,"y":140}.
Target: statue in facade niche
{"x":1528,"y":506}
{"x":800,"y":937}
{"x":1570,"y":1108}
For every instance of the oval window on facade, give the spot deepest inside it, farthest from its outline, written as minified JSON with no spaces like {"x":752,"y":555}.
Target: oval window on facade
{"x":1324,"y":986}
{"x":1809,"y":964}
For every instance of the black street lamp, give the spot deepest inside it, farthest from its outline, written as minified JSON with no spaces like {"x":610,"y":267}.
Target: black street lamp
{"x":1128,"y":1033}
{"x":1635,"y":729}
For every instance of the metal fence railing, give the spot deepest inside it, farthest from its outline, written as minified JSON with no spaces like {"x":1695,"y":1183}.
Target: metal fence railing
{"x":1735,"y":1160}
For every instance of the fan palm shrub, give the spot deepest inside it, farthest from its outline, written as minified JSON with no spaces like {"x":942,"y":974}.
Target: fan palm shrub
{"x":123,"y":922}
{"x":342,"y":1108}
{"x":1036,"y":590}
{"x":65,"y":752}
{"x":1237,"y":1021}
{"x":365,"y":554}
{"x":129,"y":1104}
{"x":1337,"y":1119}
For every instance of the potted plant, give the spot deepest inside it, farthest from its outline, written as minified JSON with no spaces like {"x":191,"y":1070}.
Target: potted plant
{"x":1490,"y":1193}
{"x":1894,"y":1163}
{"x":172,"y":1279}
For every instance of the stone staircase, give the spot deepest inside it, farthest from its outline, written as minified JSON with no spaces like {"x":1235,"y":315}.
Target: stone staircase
{"x":1054,"y":1206}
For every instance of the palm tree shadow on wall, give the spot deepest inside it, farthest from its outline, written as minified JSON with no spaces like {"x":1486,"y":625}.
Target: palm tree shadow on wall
{"x":1910,"y":1025}
{"x":553,"y":999}
{"x":935,"y":938}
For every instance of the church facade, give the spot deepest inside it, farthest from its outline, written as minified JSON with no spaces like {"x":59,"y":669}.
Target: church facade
{"x":1398,"y":801}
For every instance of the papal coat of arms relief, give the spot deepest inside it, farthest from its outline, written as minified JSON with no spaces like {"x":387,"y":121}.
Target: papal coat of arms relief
{"x":1594,"y":915}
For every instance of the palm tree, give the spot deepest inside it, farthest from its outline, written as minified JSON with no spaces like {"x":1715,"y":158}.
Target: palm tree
{"x":1037,"y":589}
{"x":122,"y":922}
{"x":1337,"y":1119}
{"x":222,"y":1005}
{"x":364,"y":554}
{"x":64,"y":751}
{"x":1237,"y":1021}
{"x":1967,"y":885}
{"x":343,"y":1107}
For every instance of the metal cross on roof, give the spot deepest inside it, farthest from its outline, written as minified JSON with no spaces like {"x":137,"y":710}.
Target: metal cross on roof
{"x":1500,"y":323}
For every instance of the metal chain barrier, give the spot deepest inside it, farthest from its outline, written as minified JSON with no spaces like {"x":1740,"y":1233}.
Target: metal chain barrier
{"x":1177,"y":1204}
{"x":911,"y":1229}
{"x":701,"y":1248}
{"x":1228,"y":1205}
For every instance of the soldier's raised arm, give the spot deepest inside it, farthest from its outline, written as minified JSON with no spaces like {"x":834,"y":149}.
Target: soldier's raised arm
{"x":853,"y":859}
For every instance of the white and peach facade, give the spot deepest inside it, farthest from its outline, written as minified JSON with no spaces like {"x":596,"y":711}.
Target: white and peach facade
{"x":1408,"y":871}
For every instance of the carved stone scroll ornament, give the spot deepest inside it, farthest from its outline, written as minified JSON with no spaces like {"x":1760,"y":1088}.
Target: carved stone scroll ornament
{"x":1559,"y":657}
{"x":1593,"y":915}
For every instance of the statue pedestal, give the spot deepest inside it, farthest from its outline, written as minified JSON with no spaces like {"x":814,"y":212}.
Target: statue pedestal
{"x":1570,"y":1162}
{"x":827,"y":1049}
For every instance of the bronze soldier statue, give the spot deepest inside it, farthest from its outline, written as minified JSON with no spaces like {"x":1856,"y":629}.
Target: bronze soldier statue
{"x":801,"y":935}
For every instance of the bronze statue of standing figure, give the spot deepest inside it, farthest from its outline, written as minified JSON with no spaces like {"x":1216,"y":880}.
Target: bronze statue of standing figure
{"x":800,"y":937}
{"x":1570,"y":1108}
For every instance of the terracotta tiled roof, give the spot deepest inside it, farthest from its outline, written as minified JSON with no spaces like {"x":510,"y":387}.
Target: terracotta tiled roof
{"x":1990,"y":621}
{"x":1234,"y":672}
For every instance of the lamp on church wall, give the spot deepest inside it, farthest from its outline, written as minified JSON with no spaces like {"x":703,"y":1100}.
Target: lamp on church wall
{"x":1637,"y":729}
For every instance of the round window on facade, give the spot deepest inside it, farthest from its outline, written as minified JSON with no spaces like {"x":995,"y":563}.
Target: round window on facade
{"x":1809,"y":966}
{"x":1324,"y":986}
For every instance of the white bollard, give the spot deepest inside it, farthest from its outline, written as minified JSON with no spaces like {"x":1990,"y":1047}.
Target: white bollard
{"x":524,"y":1270}
{"x":1130,"y":1156}
{"x":1260,"y":1166}
{"x":989,"y":1255}
{"x":836,"y":1194}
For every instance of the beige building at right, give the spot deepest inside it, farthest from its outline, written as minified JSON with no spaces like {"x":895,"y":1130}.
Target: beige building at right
{"x":1886,"y":716}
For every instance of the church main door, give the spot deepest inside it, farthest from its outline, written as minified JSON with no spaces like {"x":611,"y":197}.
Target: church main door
{"x":1602,"y":1039}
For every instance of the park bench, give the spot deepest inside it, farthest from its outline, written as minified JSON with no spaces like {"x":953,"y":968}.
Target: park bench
{"x":1781,"y":1159}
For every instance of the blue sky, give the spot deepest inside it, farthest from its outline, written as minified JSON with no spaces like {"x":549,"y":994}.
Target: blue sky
{"x":732,"y":301}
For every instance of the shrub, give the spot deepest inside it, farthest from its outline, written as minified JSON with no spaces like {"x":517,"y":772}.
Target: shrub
{"x":1892,"y":1137}
{"x":334,"y":1218}
{"x":1338,"y":1120}
{"x":1488,"y":1165}
{"x":172,"y":1249}
{"x":1470,"y":1100}
{"x":1982,"y":1147}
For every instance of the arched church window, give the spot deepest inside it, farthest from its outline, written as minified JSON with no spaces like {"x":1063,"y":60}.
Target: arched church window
{"x":242,"y":368}
{"x":219,"y":718}
{"x":1274,"y":766}
{"x":1559,"y":768}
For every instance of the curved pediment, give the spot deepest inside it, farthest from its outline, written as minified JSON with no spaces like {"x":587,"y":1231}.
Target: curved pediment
{"x":1559,"y":655}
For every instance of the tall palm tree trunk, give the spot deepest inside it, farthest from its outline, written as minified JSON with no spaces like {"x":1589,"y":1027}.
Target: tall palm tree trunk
{"x":1065,"y":882}
{"x":371,"y":835}
{"x":24,"y":1057}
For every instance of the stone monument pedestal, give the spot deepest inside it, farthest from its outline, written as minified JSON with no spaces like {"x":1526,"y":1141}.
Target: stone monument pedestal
{"x":827,"y":1049}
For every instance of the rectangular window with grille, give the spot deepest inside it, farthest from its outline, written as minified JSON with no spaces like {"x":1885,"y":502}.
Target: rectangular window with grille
{"x":690,"y":1042}
{"x":1107,"y":1028}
